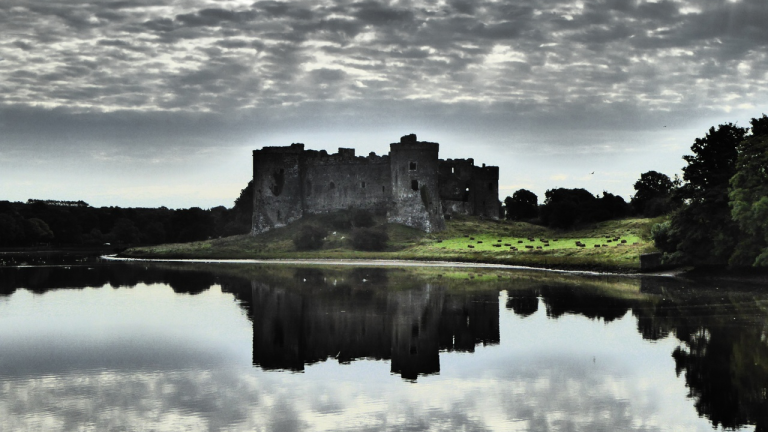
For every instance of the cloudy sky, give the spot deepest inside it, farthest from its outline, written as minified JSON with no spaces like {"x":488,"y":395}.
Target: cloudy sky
{"x":160,"y":102}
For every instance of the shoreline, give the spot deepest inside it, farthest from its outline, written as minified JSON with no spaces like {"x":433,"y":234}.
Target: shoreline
{"x":391,"y":263}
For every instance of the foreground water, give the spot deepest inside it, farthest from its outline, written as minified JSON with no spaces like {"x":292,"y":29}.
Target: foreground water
{"x":137,"y":346}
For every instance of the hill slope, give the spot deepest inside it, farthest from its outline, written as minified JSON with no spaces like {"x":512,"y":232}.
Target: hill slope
{"x":613,"y":245}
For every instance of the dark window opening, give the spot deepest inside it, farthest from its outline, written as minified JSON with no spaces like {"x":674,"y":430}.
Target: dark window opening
{"x":415,"y":330}
{"x":413,"y":166}
{"x":415,"y":184}
{"x":333,"y":186}
{"x":383,"y":189}
{"x":363,"y":185}
{"x":278,"y":178}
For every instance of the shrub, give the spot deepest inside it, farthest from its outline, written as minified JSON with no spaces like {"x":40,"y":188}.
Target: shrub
{"x":362,"y":219}
{"x":309,"y":237}
{"x":337,"y":220}
{"x":369,"y":239}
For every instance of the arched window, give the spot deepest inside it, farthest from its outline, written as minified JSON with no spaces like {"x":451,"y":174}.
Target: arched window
{"x":362,"y":184}
{"x":333,"y":186}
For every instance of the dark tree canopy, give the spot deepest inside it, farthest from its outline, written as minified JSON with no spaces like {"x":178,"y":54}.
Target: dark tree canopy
{"x":38,"y":222}
{"x":653,"y":194}
{"x":522,"y":205}
{"x":703,"y":232}
{"x":749,"y":198}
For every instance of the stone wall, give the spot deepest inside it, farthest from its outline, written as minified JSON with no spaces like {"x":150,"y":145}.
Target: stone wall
{"x":343,"y":181}
{"x":468,"y":189}
{"x":277,"y":187}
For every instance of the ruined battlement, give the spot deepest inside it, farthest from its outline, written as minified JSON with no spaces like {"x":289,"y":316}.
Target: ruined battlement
{"x":410,"y":184}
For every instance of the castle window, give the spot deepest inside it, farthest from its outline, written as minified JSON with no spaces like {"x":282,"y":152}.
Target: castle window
{"x":453,"y":170}
{"x":415,"y":184}
{"x":413,"y":166}
{"x":333,"y":186}
{"x":383,"y":189}
{"x":362,"y":185}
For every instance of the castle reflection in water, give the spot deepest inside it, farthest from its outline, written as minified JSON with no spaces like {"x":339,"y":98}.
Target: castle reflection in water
{"x":328,"y":319}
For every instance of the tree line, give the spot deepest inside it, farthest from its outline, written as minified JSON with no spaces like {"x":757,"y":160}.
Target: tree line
{"x":717,"y":213}
{"x":47,"y":222}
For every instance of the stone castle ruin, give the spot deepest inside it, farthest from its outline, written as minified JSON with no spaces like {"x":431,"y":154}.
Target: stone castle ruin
{"x":411,"y":185}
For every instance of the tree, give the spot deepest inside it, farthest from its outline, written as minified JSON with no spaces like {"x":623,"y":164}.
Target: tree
{"x":702,"y":232}
{"x":37,"y":230}
{"x":523,"y":205}
{"x":11,"y":229}
{"x":564,"y":208}
{"x":653,"y":196}
{"x":749,"y":198}
{"x":125,"y":232}
{"x":611,"y":206}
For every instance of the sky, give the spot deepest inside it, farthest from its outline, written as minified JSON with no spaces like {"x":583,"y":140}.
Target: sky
{"x":145,"y":103}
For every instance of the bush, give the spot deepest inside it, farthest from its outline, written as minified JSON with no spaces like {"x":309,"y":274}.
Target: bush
{"x":369,"y":239}
{"x":337,"y":220}
{"x":362,"y":219}
{"x":309,"y":237}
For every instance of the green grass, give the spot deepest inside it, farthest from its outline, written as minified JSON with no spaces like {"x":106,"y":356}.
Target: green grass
{"x":449,"y":245}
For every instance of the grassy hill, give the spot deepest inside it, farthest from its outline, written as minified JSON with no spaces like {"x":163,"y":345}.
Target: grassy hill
{"x":613,"y":245}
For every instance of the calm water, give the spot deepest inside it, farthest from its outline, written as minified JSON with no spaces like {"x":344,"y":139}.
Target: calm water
{"x":121,"y":346}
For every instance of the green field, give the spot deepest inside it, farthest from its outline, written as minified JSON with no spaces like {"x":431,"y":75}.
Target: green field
{"x":559,"y":250}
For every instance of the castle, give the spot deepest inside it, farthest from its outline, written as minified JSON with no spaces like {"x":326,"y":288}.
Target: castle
{"x":411,"y":185}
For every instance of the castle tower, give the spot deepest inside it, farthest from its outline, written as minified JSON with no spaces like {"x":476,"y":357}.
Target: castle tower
{"x":277,"y":187}
{"x":415,"y":193}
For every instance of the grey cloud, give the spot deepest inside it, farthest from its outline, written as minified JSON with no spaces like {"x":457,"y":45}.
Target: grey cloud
{"x":327,"y":75}
{"x":215,"y":17}
{"x":378,"y":14}
{"x":277,"y":9}
{"x":507,"y":60}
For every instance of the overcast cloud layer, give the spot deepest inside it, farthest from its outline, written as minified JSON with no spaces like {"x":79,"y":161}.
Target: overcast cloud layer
{"x":170,"y":82}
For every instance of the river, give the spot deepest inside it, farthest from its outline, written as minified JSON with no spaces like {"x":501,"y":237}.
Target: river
{"x":99,"y":345}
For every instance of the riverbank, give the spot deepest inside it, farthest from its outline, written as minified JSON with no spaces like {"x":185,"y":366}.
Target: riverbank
{"x":612,"y":246}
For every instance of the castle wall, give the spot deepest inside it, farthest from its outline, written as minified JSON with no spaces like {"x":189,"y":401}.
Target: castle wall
{"x":484,"y":191}
{"x":342,"y":181}
{"x":468,"y":189}
{"x":415,"y":192}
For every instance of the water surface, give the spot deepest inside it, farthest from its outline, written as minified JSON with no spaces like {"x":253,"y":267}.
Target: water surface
{"x":137,"y":346}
